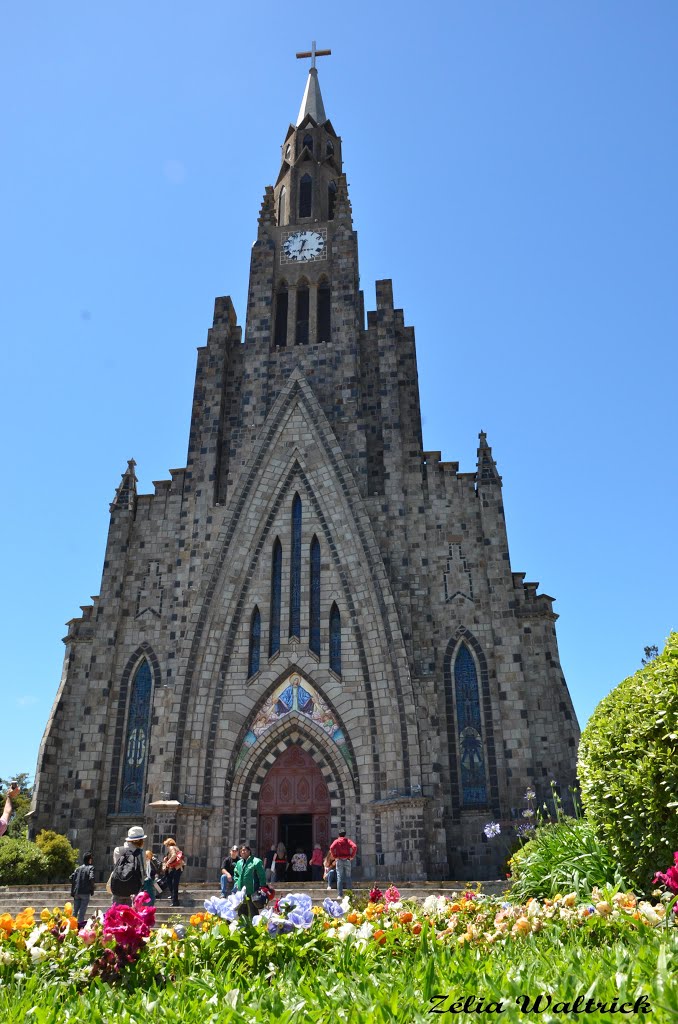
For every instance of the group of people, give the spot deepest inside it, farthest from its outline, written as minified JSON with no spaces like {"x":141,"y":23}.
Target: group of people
{"x":137,"y":870}
{"x":277,"y":867}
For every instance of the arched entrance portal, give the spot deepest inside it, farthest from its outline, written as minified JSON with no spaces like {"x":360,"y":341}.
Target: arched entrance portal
{"x":294,"y":804}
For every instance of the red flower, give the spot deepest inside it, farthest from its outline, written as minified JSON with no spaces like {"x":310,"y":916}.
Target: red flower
{"x":129,"y":927}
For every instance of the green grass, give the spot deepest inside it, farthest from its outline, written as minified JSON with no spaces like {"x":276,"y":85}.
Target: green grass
{"x":317,"y":981}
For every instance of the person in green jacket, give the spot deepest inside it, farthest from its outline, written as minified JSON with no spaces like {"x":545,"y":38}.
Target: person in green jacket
{"x":250,"y":874}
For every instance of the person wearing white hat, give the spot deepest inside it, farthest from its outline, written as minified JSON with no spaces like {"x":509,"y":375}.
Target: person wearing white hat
{"x":131,"y":853}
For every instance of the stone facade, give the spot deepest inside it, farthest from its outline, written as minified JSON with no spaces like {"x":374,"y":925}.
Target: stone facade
{"x":429,"y":669}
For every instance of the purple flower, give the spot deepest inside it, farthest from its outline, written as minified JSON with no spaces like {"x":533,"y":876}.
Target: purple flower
{"x":301,"y":918}
{"x":222,"y":908}
{"x":280,"y":926}
{"x":301,"y":900}
{"x":492,"y":829}
{"x":333,"y":908}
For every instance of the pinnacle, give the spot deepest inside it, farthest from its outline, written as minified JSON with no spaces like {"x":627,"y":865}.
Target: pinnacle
{"x":312,"y":102}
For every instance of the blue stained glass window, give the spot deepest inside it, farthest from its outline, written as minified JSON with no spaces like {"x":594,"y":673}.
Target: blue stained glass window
{"x":276,"y":585}
{"x":135,"y":751}
{"x":295,"y":569}
{"x":335,"y":640}
{"x":314,"y":603}
{"x":255,"y":643}
{"x":472,"y":757}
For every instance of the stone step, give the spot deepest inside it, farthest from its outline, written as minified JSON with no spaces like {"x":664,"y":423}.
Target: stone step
{"x":193,"y":895}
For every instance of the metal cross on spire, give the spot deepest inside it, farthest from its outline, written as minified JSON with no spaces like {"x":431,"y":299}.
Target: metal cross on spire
{"x":313,"y":53}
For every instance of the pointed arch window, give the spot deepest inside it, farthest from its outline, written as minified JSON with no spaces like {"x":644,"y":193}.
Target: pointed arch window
{"x":331,"y":199}
{"x":471,"y":753}
{"x":282,"y":205}
{"x":323,"y":321}
{"x":305,"y":196}
{"x":255,"y":643}
{"x":280,"y":326}
{"x":314,"y":599}
{"x":135,"y":751}
{"x":329,"y":148}
{"x":302,"y":323}
{"x":308,"y":142}
{"x":276,"y":590}
{"x":295,"y":569}
{"x":335,"y":640}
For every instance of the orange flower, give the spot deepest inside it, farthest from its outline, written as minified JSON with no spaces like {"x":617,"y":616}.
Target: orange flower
{"x":25,"y":918}
{"x":353,"y":917}
{"x":416,"y":928}
{"x":380,"y":936}
{"x":6,"y":925}
{"x":196,"y":919}
{"x":405,"y":917}
{"x":453,"y":908}
{"x":73,"y":922}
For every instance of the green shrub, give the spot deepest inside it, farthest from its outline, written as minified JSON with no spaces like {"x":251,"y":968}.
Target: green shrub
{"x":563,"y":856}
{"x":628,"y":768}
{"x":22,"y":863}
{"x":60,"y":856}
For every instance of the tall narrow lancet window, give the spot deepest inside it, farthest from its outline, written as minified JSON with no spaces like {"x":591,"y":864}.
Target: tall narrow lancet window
{"x":472,"y":758}
{"x":308,"y":142}
{"x":335,"y":640}
{"x":282,"y":199}
{"x":305,"y":196}
{"x":255,"y":643}
{"x":323,"y":311}
{"x":314,"y":599}
{"x":295,"y":569}
{"x":302,"y":324}
{"x":280,"y":327}
{"x":276,"y":590}
{"x":135,"y":751}
{"x":331,"y":199}
{"x":329,"y":148}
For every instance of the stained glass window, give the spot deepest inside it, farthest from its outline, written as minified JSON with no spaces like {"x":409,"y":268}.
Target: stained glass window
{"x":335,"y":640}
{"x":280,"y":328}
{"x":276,"y":586}
{"x":255,"y":643}
{"x":305,"y":196}
{"x":135,"y":752}
{"x":472,"y":757}
{"x":323,"y":311}
{"x":331,"y":199}
{"x":314,"y":600}
{"x":295,"y":569}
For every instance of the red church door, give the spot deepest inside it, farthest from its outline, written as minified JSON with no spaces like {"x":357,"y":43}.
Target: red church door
{"x":294,"y":804}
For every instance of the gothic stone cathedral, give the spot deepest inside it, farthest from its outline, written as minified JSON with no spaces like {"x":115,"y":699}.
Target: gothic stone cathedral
{"x":315,"y":623}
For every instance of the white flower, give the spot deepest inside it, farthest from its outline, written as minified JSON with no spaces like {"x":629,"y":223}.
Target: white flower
{"x":345,"y":904}
{"x":430,"y":905}
{"x":5,"y":957}
{"x":232,"y":997}
{"x":233,"y":927}
{"x":344,"y":930}
{"x":649,"y":913}
{"x":38,"y":953}
{"x":35,"y":935}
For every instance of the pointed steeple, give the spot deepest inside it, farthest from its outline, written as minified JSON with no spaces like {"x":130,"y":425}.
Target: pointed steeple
{"x":487,"y":467}
{"x":126,"y":493}
{"x":312,"y":103}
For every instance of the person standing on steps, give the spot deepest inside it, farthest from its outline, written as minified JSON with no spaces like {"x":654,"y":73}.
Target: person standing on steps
{"x":173,"y":865}
{"x":82,"y":887}
{"x":343,"y":850}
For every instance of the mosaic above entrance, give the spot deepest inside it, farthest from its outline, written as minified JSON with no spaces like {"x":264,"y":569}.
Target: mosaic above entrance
{"x":295,"y":696}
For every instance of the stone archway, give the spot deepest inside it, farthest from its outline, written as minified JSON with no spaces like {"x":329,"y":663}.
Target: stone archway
{"x":294,"y":788}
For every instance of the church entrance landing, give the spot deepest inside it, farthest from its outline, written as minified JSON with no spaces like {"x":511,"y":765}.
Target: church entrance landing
{"x":294,"y":804}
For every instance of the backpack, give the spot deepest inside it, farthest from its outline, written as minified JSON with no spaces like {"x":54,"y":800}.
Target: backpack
{"x":127,"y":876}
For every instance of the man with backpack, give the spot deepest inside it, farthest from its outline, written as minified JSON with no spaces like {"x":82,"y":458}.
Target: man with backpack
{"x":127,"y":876}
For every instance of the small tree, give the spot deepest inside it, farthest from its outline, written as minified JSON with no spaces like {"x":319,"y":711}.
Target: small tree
{"x":60,"y":856}
{"x":21,"y":863}
{"x":628,"y":768}
{"x":651,"y":653}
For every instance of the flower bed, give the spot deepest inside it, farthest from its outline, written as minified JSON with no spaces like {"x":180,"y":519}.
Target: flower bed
{"x":218,"y":959}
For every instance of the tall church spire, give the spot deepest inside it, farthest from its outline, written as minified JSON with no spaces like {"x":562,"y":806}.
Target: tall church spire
{"x":312,"y":103}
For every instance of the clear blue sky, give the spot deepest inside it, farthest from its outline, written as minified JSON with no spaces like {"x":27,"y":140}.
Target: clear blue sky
{"x":512,"y":166}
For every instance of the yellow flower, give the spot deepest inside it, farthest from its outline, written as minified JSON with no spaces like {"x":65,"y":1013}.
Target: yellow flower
{"x":45,"y":915}
{"x":570,"y":899}
{"x":68,"y":909}
{"x":25,"y":919}
{"x":521,"y":927}
{"x":603,"y":908}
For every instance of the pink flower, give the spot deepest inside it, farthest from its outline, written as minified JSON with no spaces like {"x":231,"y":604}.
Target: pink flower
{"x":392,"y":895}
{"x":129,"y":927}
{"x":670,"y":877}
{"x":88,"y":935}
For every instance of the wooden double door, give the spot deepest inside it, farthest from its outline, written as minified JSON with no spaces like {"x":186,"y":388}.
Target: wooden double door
{"x":294,"y":805}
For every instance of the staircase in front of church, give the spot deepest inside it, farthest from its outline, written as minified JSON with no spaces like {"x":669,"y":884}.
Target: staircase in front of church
{"x":192,"y":896}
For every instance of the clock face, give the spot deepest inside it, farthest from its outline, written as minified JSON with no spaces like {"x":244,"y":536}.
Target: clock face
{"x":303,"y":246}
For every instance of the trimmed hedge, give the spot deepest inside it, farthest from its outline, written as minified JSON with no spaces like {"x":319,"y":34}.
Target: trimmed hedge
{"x":628,"y":768}
{"x":22,"y":863}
